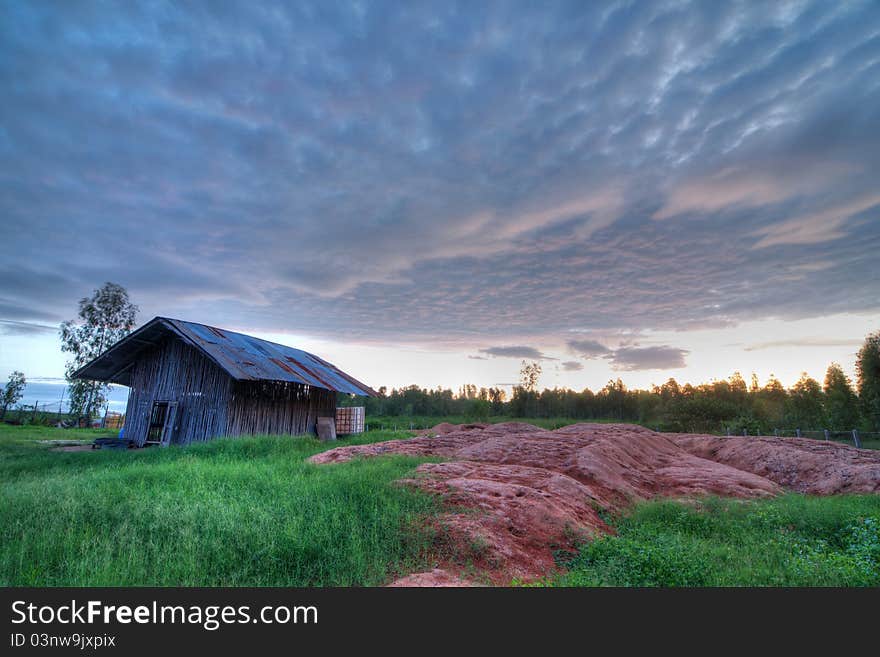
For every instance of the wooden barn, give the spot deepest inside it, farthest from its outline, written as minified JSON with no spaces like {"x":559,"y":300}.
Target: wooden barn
{"x":190,"y":382}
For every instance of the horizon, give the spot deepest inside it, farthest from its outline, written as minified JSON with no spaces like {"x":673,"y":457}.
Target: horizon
{"x":432,"y":195}
{"x":48,"y":393}
{"x":118,"y":393}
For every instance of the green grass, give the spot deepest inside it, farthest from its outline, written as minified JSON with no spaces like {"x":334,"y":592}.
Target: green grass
{"x":793,"y":540}
{"x":246,"y":512}
{"x":252,"y":512}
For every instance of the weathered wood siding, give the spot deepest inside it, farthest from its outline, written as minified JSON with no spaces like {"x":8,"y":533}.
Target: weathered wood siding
{"x":210,"y":403}
{"x":175,"y":371}
{"x":276,"y":407}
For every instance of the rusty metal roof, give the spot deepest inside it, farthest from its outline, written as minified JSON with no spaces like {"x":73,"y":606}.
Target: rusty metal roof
{"x":243,"y":357}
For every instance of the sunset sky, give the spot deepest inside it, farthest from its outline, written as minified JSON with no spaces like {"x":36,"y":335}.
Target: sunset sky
{"x":431,"y":193}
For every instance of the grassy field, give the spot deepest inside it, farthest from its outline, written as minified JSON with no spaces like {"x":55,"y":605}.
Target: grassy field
{"x":252,"y":512}
{"x":792,"y":540}
{"x":244,"y":512}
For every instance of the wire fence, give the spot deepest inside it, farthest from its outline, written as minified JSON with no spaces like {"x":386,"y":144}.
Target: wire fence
{"x":853,"y":436}
{"x":59,"y":412}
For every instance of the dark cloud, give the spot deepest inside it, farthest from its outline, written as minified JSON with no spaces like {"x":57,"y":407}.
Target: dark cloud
{"x":15,"y":311}
{"x":459,"y":171}
{"x":12,"y":327}
{"x":515,"y":352}
{"x":587,"y":348}
{"x":648,"y":358}
{"x":572,"y":366}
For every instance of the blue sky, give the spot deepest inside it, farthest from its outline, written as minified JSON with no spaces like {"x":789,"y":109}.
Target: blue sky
{"x":431,"y":192}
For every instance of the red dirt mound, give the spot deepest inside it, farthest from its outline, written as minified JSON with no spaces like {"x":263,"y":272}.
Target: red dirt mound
{"x":434,"y":578}
{"x":800,"y":464}
{"x":516,"y":493}
{"x":446,"y":427}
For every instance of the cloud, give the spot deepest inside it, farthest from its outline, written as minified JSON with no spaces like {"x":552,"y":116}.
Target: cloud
{"x":572,"y":366}
{"x":477,"y":358}
{"x":587,"y":348}
{"x":12,"y":327}
{"x":817,"y":227}
{"x":648,"y":358}
{"x":723,"y":190}
{"x":750,"y":187}
{"x":14,"y":311}
{"x":515,"y":352}
{"x":499,"y":176}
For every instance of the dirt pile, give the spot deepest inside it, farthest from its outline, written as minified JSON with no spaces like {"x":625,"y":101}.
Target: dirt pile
{"x":433,"y":578}
{"x":800,"y":464}
{"x":517,"y":493}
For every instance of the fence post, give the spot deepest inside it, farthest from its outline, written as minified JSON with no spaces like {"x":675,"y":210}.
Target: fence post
{"x":856,"y":441}
{"x":728,"y":432}
{"x":776,"y":433}
{"x":826,"y":434}
{"x":34,"y":416}
{"x":745,"y":432}
{"x":797,"y":432}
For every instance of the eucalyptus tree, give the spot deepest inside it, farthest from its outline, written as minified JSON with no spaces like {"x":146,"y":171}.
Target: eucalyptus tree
{"x":103,"y":319}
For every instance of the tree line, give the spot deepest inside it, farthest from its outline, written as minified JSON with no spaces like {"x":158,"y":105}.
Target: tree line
{"x":731,"y":404}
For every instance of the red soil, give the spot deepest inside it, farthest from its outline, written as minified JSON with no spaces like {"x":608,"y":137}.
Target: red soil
{"x":433,"y":578}
{"x":515,"y":493}
{"x":800,"y":464}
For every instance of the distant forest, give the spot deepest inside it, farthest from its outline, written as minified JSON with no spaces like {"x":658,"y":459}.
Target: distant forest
{"x":733,"y":404}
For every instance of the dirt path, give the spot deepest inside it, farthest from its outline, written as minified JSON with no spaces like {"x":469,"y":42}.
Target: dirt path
{"x":517,"y":493}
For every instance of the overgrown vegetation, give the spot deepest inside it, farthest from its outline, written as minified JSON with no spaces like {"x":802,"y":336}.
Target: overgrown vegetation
{"x":793,"y":540}
{"x":244,"y":512}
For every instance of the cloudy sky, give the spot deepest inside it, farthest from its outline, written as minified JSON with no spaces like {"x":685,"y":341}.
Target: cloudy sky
{"x":433,"y":192}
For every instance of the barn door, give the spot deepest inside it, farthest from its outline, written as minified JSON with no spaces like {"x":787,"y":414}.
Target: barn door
{"x":168,"y":429}
{"x":161,"y":427}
